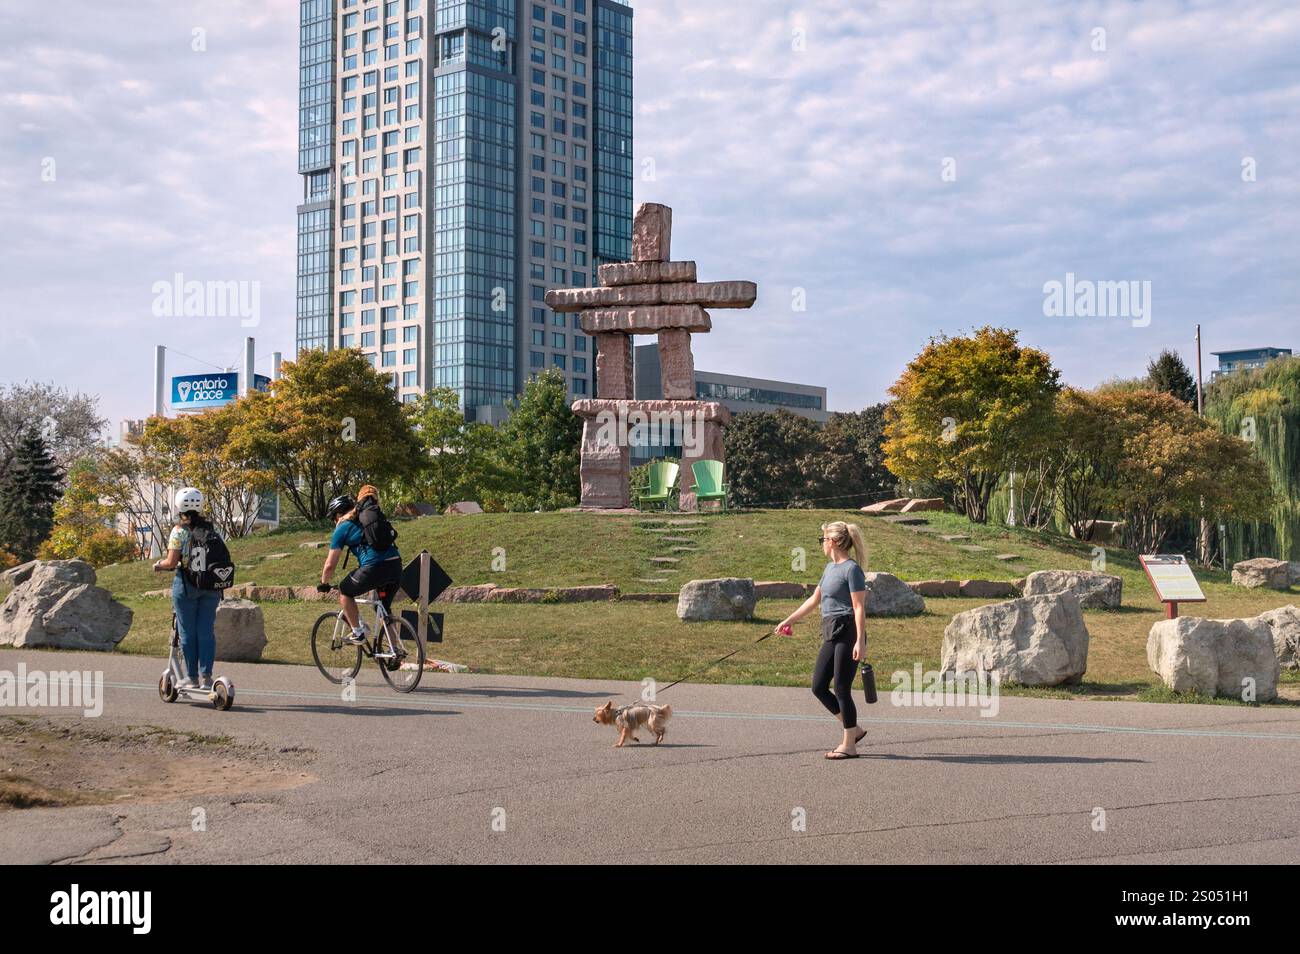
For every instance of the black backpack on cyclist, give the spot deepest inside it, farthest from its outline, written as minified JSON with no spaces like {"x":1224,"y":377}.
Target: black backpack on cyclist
{"x":376,"y":530}
{"x":210,"y":566}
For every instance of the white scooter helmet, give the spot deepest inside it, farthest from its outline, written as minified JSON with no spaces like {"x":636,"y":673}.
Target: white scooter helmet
{"x":187,"y":499}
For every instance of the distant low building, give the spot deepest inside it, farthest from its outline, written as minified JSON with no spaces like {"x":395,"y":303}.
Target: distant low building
{"x":739,"y":394}
{"x":1246,"y":359}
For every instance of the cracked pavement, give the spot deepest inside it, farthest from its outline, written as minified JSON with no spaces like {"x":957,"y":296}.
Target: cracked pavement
{"x":432,"y":777}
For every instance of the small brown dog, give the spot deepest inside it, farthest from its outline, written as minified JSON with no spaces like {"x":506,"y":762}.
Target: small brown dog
{"x":630,"y":718}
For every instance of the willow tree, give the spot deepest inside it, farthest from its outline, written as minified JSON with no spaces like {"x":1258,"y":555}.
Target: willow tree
{"x":1262,"y":408}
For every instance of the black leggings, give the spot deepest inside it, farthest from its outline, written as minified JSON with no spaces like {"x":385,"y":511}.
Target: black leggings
{"x":835,"y":663}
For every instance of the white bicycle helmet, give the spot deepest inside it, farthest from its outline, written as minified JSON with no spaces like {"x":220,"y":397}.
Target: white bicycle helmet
{"x":187,"y":499}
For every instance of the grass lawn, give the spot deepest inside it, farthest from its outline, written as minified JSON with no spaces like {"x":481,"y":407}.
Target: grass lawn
{"x":631,"y":640}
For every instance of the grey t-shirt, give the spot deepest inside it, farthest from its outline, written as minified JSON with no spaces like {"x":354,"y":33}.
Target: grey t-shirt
{"x":838,"y":581}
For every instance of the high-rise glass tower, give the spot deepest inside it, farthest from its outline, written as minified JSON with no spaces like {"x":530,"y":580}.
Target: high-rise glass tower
{"x":459,"y":158}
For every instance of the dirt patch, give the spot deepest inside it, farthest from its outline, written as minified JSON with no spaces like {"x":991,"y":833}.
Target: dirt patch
{"x":47,"y":762}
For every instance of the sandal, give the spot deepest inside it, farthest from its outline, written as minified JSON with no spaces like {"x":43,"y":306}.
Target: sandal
{"x":835,"y":755}
{"x":861,"y":735}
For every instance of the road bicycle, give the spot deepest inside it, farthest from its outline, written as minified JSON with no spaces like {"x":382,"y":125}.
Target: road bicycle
{"x":392,"y":643}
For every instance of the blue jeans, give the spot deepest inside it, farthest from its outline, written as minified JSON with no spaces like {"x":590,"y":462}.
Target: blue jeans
{"x":196,"y":618}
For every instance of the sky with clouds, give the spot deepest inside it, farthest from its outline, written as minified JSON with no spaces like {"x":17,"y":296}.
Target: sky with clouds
{"x":899,"y":170}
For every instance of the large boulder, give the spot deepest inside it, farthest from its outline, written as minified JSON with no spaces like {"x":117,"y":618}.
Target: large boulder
{"x":1293,"y":570}
{"x":1032,"y":641}
{"x":1214,"y":657}
{"x":1093,"y":590}
{"x":923,"y":503}
{"x":887,"y":595}
{"x":464,"y":507}
{"x":66,"y":571}
{"x":241,"y":631}
{"x":59,"y":606}
{"x":1262,"y":571}
{"x":728,"y":598}
{"x":18,"y":574}
{"x":1284,"y":622}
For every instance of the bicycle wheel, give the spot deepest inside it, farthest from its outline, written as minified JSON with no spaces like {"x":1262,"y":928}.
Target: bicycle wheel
{"x":336,"y":658}
{"x":401,"y":656}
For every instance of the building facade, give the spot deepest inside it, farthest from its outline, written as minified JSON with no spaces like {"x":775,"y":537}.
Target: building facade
{"x":1246,"y":359}
{"x":459,"y":158}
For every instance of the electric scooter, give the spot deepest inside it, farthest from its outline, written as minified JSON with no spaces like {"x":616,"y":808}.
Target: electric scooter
{"x":221,"y":695}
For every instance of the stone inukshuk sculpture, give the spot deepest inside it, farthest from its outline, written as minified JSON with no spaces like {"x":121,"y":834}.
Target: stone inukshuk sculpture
{"x":648,"y":295}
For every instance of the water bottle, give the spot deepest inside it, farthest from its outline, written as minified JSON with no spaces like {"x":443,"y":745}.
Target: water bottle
{"x":869,"y":683}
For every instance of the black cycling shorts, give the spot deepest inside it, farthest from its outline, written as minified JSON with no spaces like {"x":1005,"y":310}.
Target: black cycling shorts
{"x":363,"y":579}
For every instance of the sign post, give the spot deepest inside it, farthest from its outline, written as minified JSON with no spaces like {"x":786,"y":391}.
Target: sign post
{"x":1172,"y":578}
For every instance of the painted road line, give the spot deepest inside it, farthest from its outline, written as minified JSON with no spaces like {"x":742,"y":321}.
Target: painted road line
{"x":978,"y":722}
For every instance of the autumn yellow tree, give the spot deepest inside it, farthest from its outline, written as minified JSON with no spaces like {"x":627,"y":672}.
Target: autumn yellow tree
{"x":966,"y":410}
{"x":330,"y":423}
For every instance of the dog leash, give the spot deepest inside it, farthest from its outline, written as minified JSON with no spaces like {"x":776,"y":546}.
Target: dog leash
{"x":712,"y":664}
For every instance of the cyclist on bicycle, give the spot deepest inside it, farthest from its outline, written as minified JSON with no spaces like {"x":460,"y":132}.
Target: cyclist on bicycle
{"x":377,"y":568}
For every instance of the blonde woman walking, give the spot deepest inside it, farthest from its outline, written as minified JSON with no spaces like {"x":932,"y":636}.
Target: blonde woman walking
{"x":842,"y":596}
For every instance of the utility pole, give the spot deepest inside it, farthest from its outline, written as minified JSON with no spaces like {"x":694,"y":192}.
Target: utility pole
{"x":1200,"y":412}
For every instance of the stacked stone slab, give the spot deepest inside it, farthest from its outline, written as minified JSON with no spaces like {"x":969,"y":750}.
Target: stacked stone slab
{"x":648,"y":295}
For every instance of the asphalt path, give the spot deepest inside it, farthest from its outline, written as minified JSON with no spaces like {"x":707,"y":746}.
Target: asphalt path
{"x":512,"y":769}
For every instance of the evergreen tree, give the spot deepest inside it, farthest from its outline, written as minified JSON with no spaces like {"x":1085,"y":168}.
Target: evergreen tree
{"x":539,"y":446}
{"x":31,"y":486}
{"x":1169,"y":375}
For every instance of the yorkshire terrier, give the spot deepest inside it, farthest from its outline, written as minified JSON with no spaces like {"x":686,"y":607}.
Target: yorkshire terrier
{"x":630,"y":718}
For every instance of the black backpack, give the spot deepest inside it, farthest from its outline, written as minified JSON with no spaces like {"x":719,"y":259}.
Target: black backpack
{"x":376,"y":529}
{"x":210,"y":565}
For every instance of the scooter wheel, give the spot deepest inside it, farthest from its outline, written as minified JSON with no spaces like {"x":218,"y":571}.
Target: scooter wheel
{"x":166,"y":688}
{"x":223,"y":696}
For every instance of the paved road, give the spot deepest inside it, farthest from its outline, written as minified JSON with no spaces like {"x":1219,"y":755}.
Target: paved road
{"x":1179,"y":783}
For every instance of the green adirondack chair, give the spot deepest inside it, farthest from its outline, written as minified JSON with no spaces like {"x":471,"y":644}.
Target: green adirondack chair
{"x":708,"y":481}
{"x":662,"y":478}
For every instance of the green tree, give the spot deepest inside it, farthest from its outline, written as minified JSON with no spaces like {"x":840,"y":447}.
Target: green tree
{"x":1262,"y":408}
{"x":538,"y":447}
{"x":1089,"y":451}
{"x":29,"y":489}
{"x":851,"y":463}
{"x":459,"y":456}
{"x":967,"y":410}
{"x":1174,"y":465}
{"x":329,"y":424}
{"x":1168,"y":374}
{"x":772,"y":459}
{"x":85,"y":524}
{"x":196,"y":450}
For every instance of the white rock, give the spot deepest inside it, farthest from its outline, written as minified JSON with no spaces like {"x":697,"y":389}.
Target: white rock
{"x":1093,"y":590}
{"x":1262,"y":571}
{"x":727,"y":598}
{"x":1214,"y":656}
{"x":50,"y":611}
{"x":1285,"y":625}
{"x":1032,"y":641}
{"x":241,"y":631}
{"x":887,"y":595}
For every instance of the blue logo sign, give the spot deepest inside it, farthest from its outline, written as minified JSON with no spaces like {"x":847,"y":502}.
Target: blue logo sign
{"x":191,"y":391}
